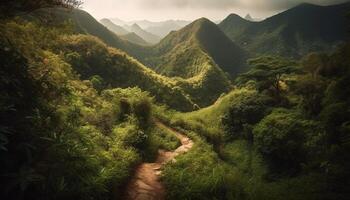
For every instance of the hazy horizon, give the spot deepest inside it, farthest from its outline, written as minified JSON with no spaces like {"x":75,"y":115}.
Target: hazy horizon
{"x":161,"y":10}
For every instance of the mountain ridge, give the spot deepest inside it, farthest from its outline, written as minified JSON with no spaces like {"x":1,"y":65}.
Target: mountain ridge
{"x":195,"y":38}
{"x":113,"y":27}
{"x":294,"y":32}
{"x":148,"y":37}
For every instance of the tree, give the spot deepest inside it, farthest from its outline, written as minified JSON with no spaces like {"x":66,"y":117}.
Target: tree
{"x":143,"y":112}
{"x":97,"y":82}
{"x":281,"y":138}
{"x":314,"y":63}
{"x":244,"y":114}
{"x":267,"y":72}
{"x":11,"y":8}
{"x":311,"y":89}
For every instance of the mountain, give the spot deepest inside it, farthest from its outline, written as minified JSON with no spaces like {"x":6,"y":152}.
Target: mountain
{"x":148,"y":37}
{"x":248,"y":17}
{"x":134,"y":38}
{"x":161,"y":28}
{"x":113,"y":27}
{"x":118,"y":21}
{"x":89,"y":56}
{"x":187,"y":52}
{"x":123,"y":33}
{"x":200,"y":57}
{"x":84,"y":23}
{"x":292,"y":33}
{"x":201,"y":54}
{"x":145,"y":24}
{"x":234,"y":27}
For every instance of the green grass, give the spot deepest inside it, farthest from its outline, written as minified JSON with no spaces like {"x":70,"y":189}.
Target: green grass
{"x":160,"y":138}
{"x":198,"y":174}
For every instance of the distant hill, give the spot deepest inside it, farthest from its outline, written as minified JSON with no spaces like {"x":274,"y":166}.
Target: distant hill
{"x":161,"y":28}
{"x":148,"y":37}
{"x":145,"y":24}
{"x":123,"y":33}
{"x":182,"y":53}
{"x":292,"y":33}
{"x":113,"y":27}
{"x":134,"y":38}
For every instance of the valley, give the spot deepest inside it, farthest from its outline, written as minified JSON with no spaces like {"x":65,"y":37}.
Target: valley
{"x":175,"y":109}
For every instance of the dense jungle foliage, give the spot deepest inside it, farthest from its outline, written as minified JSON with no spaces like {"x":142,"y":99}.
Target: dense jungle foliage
{"x":78,"y":113}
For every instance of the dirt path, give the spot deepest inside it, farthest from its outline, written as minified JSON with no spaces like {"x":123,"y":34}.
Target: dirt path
{"x":146,"y":185}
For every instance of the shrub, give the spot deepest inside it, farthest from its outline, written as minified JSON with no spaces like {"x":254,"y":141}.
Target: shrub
{"x":130,"y":135}
{"x":242,"y":115}
{"x":142,"y":110}
{"x":281,"y":137}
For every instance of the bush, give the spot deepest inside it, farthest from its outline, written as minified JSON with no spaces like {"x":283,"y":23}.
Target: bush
{"x":281,"y":137}
{"x":130,"y":134}
{"x":242,"y":115}
{"x":142,"y":110}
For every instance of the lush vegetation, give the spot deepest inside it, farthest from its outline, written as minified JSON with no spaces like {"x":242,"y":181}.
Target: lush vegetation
{"x":77,"y":112}
{"x":62,"y":136}
{"x":278,"y":137}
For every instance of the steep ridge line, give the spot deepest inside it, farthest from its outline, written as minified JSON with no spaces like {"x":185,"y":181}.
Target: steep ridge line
{"x":146,"y":184}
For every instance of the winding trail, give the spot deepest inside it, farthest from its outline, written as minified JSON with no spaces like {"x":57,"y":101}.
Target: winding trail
{"x":146,"y":184}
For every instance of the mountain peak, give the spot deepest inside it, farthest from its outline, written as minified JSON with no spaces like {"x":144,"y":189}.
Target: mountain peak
{"x":248,"y":17}
{"x":234,"y":20}
{"x":234,"y":16}
{"x":306,"y":5}
{"x":105,"y":20}
{"x":136,"y":26}
{"x":200,"y":24}
{"x":202,"y":20}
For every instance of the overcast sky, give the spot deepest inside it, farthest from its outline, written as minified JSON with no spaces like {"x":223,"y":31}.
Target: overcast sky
{"x":158,"y":10}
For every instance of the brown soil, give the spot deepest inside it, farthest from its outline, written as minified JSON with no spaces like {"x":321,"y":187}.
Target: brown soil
{"x":146,"y":184}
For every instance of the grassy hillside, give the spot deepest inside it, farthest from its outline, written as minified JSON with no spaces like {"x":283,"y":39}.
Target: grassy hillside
{"x":90,"y":57}
{"x":292,"y":33}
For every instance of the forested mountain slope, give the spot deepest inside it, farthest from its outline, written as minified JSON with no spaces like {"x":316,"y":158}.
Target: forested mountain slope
{"x":182,"y":53}
{"x":292,"y":33}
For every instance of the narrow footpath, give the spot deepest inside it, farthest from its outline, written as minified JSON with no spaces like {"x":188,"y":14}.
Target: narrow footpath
{"x":146,"y":184}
